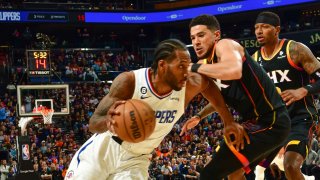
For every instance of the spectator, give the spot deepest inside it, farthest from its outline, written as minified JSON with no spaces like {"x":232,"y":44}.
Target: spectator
{"x":166,"y":170}
{"x":4,"y":169}
{"x":2,"y":112}
{"x":177,"y":175}
{"x":310,"y":162}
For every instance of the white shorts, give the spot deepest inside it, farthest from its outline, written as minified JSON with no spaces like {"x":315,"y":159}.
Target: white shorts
{"x":103,"y":158}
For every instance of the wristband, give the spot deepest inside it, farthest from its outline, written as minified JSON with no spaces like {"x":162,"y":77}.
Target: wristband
{"x":314,"y":88}
{"x":195,"y":67}
{"x":311,"y":89}
{"x":198,"y":115}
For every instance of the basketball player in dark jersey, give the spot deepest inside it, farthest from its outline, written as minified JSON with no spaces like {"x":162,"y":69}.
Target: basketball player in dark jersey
{"x":245,"y":87}
{"x":291,"y":65}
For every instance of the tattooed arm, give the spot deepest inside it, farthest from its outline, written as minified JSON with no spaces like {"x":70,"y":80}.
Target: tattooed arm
{"x":302,"y":56}
{"x":121,"y":89}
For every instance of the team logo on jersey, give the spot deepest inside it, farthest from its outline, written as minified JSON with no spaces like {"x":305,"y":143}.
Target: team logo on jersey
{"x":70,"y":174}
{"x":219,"y":83}
{"x":281,"y":55}
{"x":274,"y":75}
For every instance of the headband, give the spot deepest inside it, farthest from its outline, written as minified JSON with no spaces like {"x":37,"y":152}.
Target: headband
{"x":267,"y":20}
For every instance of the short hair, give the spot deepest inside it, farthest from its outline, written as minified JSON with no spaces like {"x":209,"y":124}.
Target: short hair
{"x":166,"y":50}
{"x":268,"y":17}
{"x":208,"y":20}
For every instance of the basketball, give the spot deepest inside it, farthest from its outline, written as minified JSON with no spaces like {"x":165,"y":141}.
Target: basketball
{"x":135,"y":122}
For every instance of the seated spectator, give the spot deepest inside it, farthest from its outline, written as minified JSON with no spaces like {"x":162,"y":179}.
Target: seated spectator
{"x":166,"y":170}
{"x":4,"y":169}
{"x":89,"y":74}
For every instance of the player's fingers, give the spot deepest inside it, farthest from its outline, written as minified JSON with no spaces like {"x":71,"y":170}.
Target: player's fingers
{"x":246,"y":137}
{"x":285,"y":93}
{"x":183,"y":130}
{"x":228,"y":139}
{"x":242,"y":143}
{"x":290,"y":101}
{"x":285,"y":97}
{"x":238,"y":141}
{"x":191,"y":124}
{"x":117,"y":103}
{"x":112,"y":111}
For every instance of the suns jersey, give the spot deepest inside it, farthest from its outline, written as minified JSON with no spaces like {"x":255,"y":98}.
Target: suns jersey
{"x":254,"y":94}
{"x":168,"y":109}
{"x":288,"y":75}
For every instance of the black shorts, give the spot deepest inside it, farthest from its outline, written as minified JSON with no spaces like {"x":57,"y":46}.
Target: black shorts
{"x":263,"y":140}
{"x":300,"y":137}
{"x":299,"y":140}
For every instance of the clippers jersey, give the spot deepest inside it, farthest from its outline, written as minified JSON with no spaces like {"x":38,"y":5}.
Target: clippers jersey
{"x":254,"y":94}
{"x":168,"y":108}
{"x":288,"y":75}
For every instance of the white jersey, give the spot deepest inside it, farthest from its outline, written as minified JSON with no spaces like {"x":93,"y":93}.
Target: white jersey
{"x":101,"y":157}
{"x":168,"y":108}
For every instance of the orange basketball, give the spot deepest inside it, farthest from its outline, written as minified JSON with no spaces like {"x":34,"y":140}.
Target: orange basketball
{"x":136,"y":121}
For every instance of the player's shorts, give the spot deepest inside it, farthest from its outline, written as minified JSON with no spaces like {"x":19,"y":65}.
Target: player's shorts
{"x":263,"y":140}
{"x":300,"y":137}
{"x":101,"y":157}
{"x":299,"y":140}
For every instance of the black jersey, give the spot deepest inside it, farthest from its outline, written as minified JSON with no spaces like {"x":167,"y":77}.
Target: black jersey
{"x":288,"y":75}
{"x":254,"y":94}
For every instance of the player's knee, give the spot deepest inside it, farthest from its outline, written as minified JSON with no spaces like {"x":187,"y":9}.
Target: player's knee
{"x":290,"y":166}
{"x":236,"y":174}
{"x":292,"y":161}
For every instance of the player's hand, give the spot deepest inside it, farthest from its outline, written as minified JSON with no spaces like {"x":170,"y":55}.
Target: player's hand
{"x":189,"y":68}
{"x":112,"y":112}
{"x":189,"y":124}
{"x":290,"y":96}
{"x":236,"y":135}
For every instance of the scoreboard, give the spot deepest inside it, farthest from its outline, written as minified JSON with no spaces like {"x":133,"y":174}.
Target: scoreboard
{"x":38,"y":63}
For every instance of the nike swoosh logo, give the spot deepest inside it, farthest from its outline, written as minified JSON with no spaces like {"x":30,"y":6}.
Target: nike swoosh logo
{"x":145,"y":97}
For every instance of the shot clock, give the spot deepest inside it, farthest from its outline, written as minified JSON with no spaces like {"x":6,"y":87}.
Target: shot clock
{"x":38,"y":63}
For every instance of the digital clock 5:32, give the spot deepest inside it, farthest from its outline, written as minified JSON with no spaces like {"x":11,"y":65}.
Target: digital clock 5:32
{"x":38,"y":62}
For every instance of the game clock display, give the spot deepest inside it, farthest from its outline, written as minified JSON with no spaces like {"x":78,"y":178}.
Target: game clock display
{"x":38,"y":63}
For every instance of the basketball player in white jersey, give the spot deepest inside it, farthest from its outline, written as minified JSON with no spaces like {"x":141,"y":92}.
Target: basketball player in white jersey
{"x":167,"y":88}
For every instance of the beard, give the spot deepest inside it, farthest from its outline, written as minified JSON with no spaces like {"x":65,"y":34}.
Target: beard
{"x":172,"y":80}
{"x":207,"y":54}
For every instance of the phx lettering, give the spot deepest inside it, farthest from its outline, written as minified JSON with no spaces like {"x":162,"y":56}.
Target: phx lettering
{"x":166,"y":116}
{"x":274,"y":75}
{"x":134,"y":126}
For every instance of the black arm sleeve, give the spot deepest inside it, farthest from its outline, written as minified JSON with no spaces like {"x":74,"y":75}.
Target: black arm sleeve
{"x":314,"y":87}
